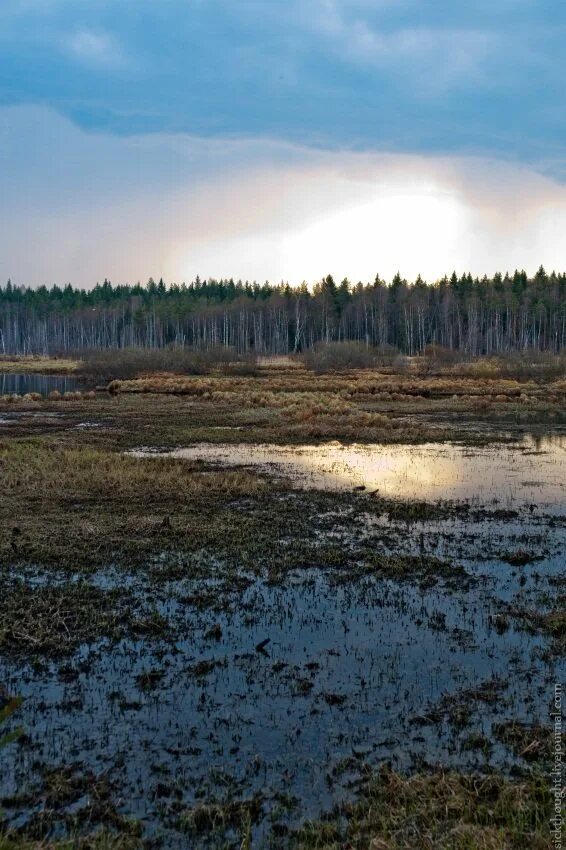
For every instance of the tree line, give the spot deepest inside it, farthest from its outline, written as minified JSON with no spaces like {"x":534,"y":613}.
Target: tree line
{"x":473,"y":315}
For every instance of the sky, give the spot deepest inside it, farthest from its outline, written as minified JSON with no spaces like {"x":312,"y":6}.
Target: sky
{"x":280,"y":140}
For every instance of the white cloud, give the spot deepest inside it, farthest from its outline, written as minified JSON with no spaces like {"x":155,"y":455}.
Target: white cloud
{"x":78,"y":207}
{"x":432,"y":59}
{"x":98,"y":49}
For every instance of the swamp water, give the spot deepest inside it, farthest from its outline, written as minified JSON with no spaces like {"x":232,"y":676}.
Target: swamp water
{"x":30,"y":382}
{"x":355,"y":671}
{"x":528,"y":471}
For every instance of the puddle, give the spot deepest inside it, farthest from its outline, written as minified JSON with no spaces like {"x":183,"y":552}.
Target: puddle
{"x":287,"y":689}
{"x":345,"y":674}
{"x":30,"y":382}
{"x":349,"y":675}
{"x":526,"y":472}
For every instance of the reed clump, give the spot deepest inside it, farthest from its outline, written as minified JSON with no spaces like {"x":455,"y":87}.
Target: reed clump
{"x":31,"y":470}
{"x":358,"y":385}
{"x":44,"y":365}
{"x":438,"y":811}
{"x":54,"y":395}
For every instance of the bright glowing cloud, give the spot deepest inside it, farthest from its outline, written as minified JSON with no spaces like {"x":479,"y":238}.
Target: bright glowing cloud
{"x":82,"y":206}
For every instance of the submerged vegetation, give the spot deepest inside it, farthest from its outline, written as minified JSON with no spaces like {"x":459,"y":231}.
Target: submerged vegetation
{"x":214,"y":656}
{"x":437,"y":811}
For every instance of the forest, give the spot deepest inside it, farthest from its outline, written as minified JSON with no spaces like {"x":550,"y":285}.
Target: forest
{"x":472,"y":315}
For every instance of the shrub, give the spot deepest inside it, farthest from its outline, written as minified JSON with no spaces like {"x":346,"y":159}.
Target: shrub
{"x":340,"y":356}
{"x":125,"y":363}
{"x":539,"y":366}
{"x":532,"y":365}
{"x":441,"y":355}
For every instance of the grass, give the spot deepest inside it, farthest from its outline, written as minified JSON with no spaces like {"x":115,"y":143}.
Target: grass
{"x":436,"y":811}
{"x":101,"y":840}
{"x":73,"y":501}
{"x":8,"y":706}
{"x":30,"y":470}
{"x":551,"y":623}
{"x":39,"y":364}
{"x":290,"y":404}
{"x":440,"y":811}
{"x":14,"y":399}
{"x":81,"y":802}
{"x":82,"y":507}
{"x":530,"y":741}
{"x":539,"y":366}
{"x":554,"y":623}
{"x":294,"y":405}
{"x":52,"y":621}
{"x":221,"y":816}
{"x":78,"y":508}
{"x":355,"y":386}
{"x":426,"y":570}
{"x":74,"y":509}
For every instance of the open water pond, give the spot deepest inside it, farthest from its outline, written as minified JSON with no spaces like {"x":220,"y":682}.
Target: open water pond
{"x":30,"y":382}
{"x":520,"y":473}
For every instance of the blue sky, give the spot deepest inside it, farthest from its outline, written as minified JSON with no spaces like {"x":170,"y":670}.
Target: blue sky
{"x":154,"y":99}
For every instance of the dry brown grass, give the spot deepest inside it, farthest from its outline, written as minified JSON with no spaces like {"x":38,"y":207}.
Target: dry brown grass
{"x":82,"y":507}
{"x":303,"y":411}
{"x":32,"y":471}
{"x":539,"y":366}
{"x":294,"y":404}
{"x":19,"y":400}
{"x":102,"y":840}
{"x":356,"y":384}
{"x":441,"y":811}
{"x":300,"y":396}
{"x":37,"y":363}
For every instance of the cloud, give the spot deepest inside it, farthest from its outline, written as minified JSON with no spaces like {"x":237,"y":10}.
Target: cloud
{"x":80,"y":206}
{"x":398,"y":75}
{"x":96,"y":49}
{"x":429,"y":59}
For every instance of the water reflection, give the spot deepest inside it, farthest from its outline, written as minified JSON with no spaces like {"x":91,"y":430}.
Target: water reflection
{"x":526,"y":472}
{"x":343,"y":675}
{"x":30,"y":382}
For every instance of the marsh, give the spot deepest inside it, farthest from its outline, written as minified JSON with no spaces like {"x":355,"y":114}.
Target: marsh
{"x":221,"y":638}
